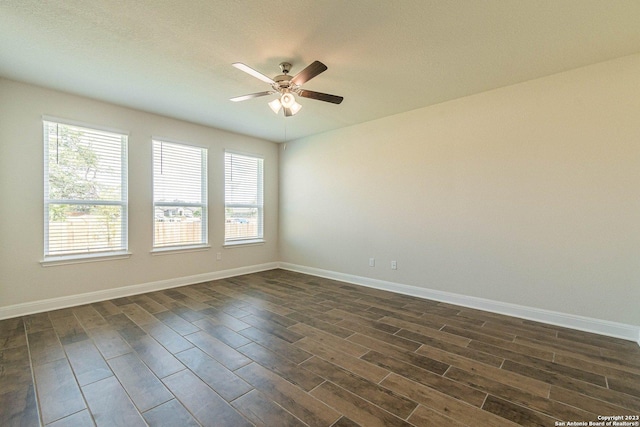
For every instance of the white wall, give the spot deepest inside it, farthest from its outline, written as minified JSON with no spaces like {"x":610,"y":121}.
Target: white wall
{"x":23,"y":279}
{"x":526,"y":195}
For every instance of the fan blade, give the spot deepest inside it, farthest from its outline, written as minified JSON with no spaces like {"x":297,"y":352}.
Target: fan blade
{"x":287,"y":112}
{"x":335,"y":99}
{"x":251,"y":95}
{"x":312,"y":70}
{"x":254,"y":73}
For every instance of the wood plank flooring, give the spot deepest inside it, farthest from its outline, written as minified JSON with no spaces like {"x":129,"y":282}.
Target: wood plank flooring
{"x":279,"y":348}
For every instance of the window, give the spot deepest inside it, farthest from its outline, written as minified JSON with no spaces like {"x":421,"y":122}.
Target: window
{"x":179,"y":195}
{"x":85,"y":191}
{"x":243,"y":198}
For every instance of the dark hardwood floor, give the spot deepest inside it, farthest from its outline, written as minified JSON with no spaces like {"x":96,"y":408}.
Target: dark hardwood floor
{"x":284,"y":349}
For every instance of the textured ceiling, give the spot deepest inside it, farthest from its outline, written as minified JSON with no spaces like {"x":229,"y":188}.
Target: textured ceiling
{"x":385,"y":57}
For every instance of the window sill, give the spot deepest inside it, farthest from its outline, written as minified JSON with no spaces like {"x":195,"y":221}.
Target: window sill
{"x":179,"y":249}
{"x":239,"y":243}
{"x":54,"y":261}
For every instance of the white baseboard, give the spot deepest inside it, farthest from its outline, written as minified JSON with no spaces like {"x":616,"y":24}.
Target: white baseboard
{"x":597,"y":326}
{"x":91,"y":297}
{"x":587,"y":324}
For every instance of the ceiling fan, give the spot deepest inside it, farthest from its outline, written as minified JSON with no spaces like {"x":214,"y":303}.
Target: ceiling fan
{"x":286,"y":86}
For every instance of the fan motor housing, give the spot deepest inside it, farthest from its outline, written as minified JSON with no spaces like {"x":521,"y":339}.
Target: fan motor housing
{"x":283,"y":81}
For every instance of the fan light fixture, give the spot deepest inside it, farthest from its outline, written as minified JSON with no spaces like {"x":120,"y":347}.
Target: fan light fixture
{"x":286,"y":101}
{"x":275,"y":105}
{"x":295,"y":108}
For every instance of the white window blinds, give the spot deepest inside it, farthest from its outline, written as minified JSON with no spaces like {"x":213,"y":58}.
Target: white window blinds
{"x":243,"y":197}
{"x":179,"y":195}
{"x":85,"y":190}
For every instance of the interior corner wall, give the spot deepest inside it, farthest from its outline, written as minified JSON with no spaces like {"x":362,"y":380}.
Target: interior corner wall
{"x":24,"y":280}
{"x":527,"y":195}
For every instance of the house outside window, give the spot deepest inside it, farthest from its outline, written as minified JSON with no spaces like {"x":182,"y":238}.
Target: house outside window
{"x":244,"y":198}
{"x":179,"y":195}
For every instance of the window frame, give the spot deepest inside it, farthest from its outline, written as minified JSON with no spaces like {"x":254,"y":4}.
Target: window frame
{"x":86,"y":256}
{"x":204,"y":204}
{"x":259,"y":239}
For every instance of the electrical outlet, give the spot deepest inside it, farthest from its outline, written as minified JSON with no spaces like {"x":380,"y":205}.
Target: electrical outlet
{"x":218,"y":256}
{"x":372,"y":262}
{"x":394,"y":265}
